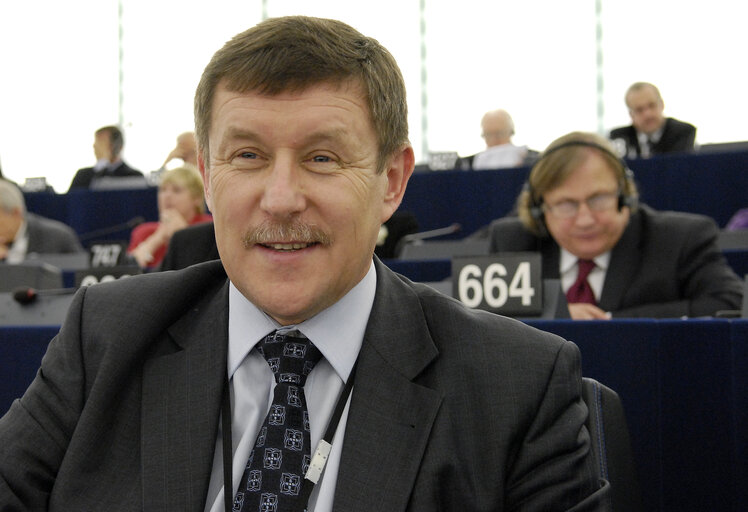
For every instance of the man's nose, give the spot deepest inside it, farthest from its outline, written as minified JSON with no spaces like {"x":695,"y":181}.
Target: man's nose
{"x":585,"y":215}
{"x":283,"y":195}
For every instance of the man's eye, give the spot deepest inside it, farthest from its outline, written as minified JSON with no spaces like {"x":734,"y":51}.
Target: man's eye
{"x":248,"y":155}
{"x":321,"y":159}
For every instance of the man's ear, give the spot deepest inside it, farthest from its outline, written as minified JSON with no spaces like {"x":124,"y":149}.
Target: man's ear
{"x":205,"y":173}
{"x":398,"y":173}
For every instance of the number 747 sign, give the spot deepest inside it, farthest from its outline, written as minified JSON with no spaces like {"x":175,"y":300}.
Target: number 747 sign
{"x":505,"y":283}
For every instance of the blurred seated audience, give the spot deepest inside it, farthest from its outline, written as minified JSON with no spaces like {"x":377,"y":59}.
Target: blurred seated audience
{"x":23,"y":233}
{"x":108,"y":144}
{"x":614,"y":257}
{"x":497,"y":130}
{"x":650,"y":132}
{"x":180,"y":204}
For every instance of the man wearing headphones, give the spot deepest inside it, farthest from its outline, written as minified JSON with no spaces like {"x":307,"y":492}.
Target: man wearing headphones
{"x":108,"y":144}
{"x":614,"y":257}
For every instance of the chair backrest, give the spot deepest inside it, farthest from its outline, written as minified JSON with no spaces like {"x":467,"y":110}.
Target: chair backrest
{"x":611,"y":445}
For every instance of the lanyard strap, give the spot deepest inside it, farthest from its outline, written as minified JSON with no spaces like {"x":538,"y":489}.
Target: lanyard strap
{"x":319,"y":459}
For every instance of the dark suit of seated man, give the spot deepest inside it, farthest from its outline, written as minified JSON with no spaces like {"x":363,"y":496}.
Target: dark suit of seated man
{"x":581,"y":204}
{"x":108,"y":144}
{"x":23,"y":233}
{"x":303,"y":146}
{"x":650,"y":132}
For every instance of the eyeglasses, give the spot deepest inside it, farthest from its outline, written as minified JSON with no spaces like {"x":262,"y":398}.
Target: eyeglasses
{"x":570,"y":208}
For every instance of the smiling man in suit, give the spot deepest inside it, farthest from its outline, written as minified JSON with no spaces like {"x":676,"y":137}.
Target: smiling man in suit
{"x":580,"y":210}
{"x":154,"y":395}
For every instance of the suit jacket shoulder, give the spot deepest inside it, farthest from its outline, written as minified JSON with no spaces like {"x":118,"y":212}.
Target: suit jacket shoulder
{"x":625,"y":132}
{"x":668,"y":264}
{"x":126,"y":170}
{"x":678,"y":136}
{"x":128,"y":390}
{"x":82,"y":178}
{"x":50,"y":236}
{"x":442,"y":389}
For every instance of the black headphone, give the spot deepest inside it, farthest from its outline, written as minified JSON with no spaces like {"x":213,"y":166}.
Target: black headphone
{"x":624,"y":199}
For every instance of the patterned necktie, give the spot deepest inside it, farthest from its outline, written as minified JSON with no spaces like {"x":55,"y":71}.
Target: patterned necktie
{"x":277,"y":464}
{"x":581,"y":291}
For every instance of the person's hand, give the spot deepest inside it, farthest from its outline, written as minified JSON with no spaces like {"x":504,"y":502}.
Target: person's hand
{"x":3,"y":249}
{"x":142,"y":255}
{"x":583,"y":311}
{"x":175,"y":153}
{"x":170,"y":221}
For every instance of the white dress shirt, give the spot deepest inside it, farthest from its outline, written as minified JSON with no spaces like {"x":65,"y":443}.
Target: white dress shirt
{"x":647,"y":140}
{"x":499,"y":157}
{"x":18,"y":249}
{"x":569,"y":269}
{"x":338,"y":333}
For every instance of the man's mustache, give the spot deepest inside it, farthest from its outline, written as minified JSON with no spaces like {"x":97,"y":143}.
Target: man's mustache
{"x":285,"y":232}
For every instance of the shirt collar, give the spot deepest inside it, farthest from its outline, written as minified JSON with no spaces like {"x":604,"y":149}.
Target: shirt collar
{"x":337,"y":331}
{"x":653,"y":137}
{"x":568,"y":260}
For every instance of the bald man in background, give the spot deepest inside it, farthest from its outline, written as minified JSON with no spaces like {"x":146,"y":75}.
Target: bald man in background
{"x":497,"y":130}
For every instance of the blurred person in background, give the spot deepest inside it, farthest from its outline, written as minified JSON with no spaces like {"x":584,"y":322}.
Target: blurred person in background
{"x":497,"y":130}
{"x":614,"y":256}
{"x":185,"y":150}
{"x":650,"y":132}
{"x":181,"y":203}
{"x":23,"y":233}
{"x":108,"y":144}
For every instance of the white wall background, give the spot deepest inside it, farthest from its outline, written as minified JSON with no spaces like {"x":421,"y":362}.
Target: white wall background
{"x":60,"y":62}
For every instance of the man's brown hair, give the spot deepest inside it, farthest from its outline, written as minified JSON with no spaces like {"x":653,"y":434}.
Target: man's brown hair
{"x":292,"y":53}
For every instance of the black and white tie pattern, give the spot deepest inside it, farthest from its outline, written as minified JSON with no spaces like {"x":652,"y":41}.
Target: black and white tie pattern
{"x":280,"y":458}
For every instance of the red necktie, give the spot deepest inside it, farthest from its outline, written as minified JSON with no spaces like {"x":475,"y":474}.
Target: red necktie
{"x":581,"y":291}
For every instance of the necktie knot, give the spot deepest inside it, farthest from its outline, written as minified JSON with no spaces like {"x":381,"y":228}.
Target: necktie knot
{"x":291,"y":357}
{"x":581,"y":291}
{"x":585,"y":267}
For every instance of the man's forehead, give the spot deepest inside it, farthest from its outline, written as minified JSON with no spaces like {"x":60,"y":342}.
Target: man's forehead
{"x":642,"y":96}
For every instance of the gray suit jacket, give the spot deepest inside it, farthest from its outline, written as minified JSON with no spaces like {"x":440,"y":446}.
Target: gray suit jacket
{"x":452,"y":409}
{"x":666,"y":264}
{"x":50,"y":236}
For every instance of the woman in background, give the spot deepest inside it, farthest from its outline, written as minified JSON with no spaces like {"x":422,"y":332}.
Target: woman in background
{"x":180,"y":204}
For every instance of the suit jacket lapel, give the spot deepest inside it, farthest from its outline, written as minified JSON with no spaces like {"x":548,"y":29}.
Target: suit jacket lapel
{"x":390,"y":418}
{"x":551,"y":258}
{"x":624,"y":262}
{"x":182,"y":388}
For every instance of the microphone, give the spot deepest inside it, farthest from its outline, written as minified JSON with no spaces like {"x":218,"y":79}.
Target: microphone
{"x":112,"y":229}
{"x":27,"y":295}
{"x":425,"y":235}
{"x":433,"y":233}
